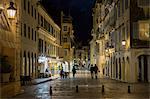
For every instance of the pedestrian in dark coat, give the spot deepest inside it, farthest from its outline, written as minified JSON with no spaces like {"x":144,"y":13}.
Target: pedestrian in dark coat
{"x":96,"y":70}
{"x":74,"y":71}
{"x":92,"y":70}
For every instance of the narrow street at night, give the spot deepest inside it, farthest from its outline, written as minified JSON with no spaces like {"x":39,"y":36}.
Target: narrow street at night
{"x":74,"y":49}
{"x":87,"y":89}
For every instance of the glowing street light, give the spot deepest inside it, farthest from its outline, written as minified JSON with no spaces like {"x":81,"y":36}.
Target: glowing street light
{"x":11,"y":11}
{"x":123,"y":42}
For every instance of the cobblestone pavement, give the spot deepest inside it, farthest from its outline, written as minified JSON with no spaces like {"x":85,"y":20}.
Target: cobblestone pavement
{"x":87,"y":89}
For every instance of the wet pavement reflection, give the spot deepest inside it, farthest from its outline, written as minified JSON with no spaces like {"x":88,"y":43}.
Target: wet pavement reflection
{"x":87,"y":89}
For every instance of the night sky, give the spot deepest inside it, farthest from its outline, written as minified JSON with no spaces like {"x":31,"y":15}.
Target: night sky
{"x":80,"y":10}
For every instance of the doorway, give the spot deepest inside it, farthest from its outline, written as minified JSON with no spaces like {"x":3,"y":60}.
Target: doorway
{"x":143,"y":68}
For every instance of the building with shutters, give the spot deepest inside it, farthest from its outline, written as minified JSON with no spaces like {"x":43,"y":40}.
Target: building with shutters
{"x":122,"y":32}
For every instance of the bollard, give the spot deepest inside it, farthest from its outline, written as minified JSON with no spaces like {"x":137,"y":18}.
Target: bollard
{"x":102,"y":88}
{"x":50,"y":90}
{"x":129,"y":91}
{"x":77,"y":89}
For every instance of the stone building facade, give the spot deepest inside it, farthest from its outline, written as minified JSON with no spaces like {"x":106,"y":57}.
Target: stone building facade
{"x":32,"y":33}
{"x":124,"y":39}
{"x":67,"y":39}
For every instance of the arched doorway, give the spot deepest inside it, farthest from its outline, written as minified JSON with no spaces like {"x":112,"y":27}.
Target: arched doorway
{"x":143,"y":68}
{"x":123,"y":69}
{"x":116,"y":69}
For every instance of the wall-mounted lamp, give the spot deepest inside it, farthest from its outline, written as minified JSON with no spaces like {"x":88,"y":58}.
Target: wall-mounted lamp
{"x":106,"y":50}
{"x":73,"y":47}
{"x":107,"y":53}
{"x":11,"y":11}
{"x":123,"y":42}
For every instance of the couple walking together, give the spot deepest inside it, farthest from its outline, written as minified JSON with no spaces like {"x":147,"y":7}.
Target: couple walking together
{"x":94,"y":70}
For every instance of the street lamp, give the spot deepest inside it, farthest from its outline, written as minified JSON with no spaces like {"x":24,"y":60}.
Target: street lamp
{"x":107,"y":50}
{"x":11,"y":11}
{"x":123,"y":42}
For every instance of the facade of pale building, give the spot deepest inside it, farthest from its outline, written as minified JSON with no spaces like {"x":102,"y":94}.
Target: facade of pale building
{"x":95,"y":53}
{"x":27,"y":42}
{"x":124,"y":39}
{"x":92,"y":52}
{"x":81,"y":57}
{"x":9,"y":50}
{"x":48,"y":43}
{"x":29,"y":38}
{"x":67,"y":39}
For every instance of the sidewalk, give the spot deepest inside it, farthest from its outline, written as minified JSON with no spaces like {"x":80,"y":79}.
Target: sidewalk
{"x":42,"y":80}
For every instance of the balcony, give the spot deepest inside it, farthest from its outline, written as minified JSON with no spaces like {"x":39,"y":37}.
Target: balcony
{"x":136,"y":43}
{"x":45,"y":33}
{"x":66,"y":45}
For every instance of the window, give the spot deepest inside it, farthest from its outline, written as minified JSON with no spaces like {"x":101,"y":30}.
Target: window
{"x":126,"y":4}
{"x":40,"y":44}
{"x":65,"y":52}
{"x":24,"y":63}
{"x":35,"y":35}
{"x":49,"y":30}
{"x":54,"y":33}
{"x":122,"y":6}
{"x":65,"y":39}
{"x":32,"y":11}
{"x":32,"y":34}
{"x":38,"y":18}
{"x":123,"y":33}
{"x":45,"y":24}
{"x":41,"y":21}
{"x":21,"y":29}
{"x":45,"y":47}
{"x":52,"y":30}
{"x":24,"y":30}
{"x":144,"y":31}
{"x":32,"y":61}
{"x":127,"y":30}
{"x":118,"y":9}
{"x":65,"y":28}
{"x":29,"y":32}
{"x":28,"y":7}
{"x":24,"y":4}
{"x":35,"y":13}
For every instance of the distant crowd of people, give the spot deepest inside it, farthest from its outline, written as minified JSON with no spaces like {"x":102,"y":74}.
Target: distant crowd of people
{"x":93,"y":70}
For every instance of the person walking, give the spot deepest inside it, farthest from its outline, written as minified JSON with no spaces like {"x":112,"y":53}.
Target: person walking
{"x":92,"y":70}
{"x":74,"y":71}
{"x":61,"y":73}
{"x":96,"y":70}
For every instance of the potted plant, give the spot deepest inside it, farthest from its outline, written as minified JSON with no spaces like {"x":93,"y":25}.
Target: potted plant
{"x":5,"y":69}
